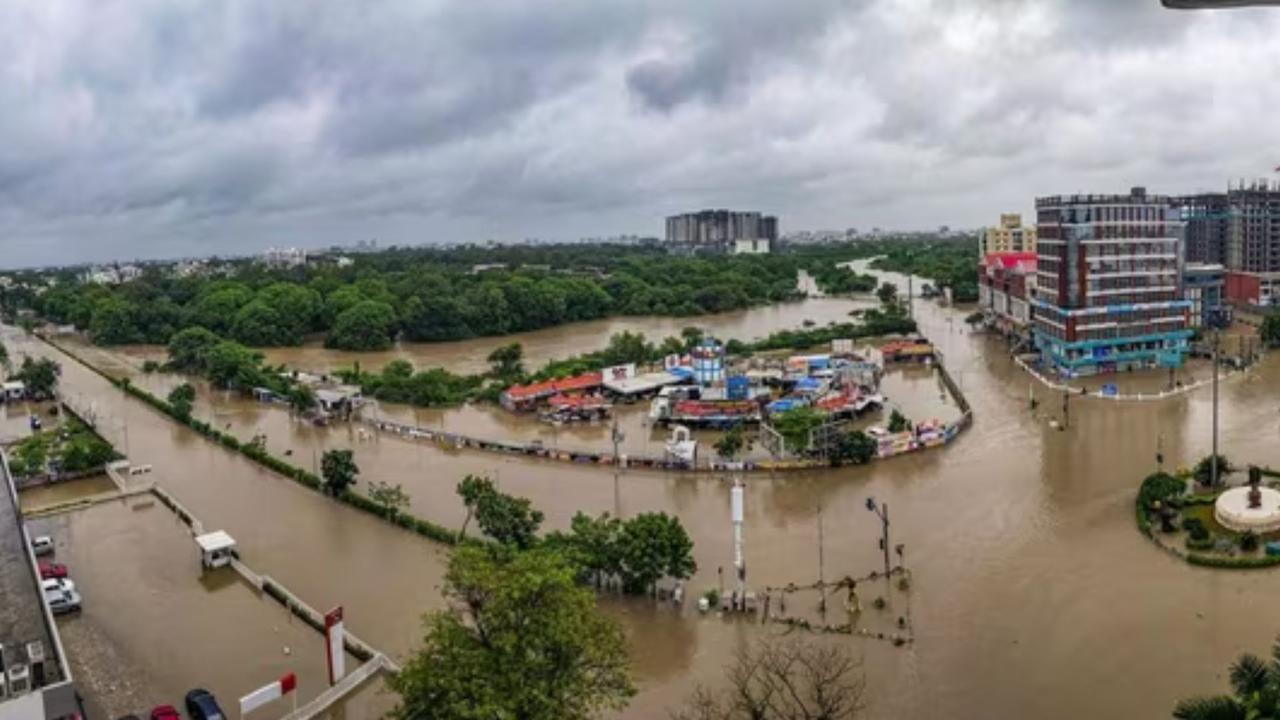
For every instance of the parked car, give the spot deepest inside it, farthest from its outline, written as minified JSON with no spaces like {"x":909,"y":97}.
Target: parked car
{"x":42,"y":545}
{"x":61,"y":603}
{"x":201,"y":705}
{"x":165,"y":712}
{"x":49,"y":571}
{"x":58,"y":585}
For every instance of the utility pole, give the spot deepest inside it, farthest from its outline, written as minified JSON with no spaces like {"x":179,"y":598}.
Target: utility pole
{"x":822,"y":585}
{"x":1213,"y":459}
{"x":883,"y":512}
{"x":736,"y":500}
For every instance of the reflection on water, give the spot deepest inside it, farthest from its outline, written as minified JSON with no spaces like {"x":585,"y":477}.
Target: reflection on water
{"x":1034,"y":594}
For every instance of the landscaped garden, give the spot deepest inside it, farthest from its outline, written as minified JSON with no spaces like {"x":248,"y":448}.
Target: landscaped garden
{"x":1184,"y":513}
{"x":71,"y":448}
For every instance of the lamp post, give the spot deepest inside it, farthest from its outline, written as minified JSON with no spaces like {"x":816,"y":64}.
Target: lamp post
{"x":1213,"y":471}
{"x":883,"y":512}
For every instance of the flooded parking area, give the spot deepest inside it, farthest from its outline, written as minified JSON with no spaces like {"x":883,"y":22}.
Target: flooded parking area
{"x":153,"y":626}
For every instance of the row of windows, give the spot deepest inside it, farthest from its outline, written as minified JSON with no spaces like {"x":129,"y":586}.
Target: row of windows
{"x":1131,"y":298}
{"x":1132,"y":281}
{"x":1124,"y":249}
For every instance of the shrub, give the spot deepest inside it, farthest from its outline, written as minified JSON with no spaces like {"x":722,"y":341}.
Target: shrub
{"x":1249,"y":542}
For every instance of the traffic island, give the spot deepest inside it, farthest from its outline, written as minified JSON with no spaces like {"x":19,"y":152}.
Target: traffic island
{"x":1227,"y":527}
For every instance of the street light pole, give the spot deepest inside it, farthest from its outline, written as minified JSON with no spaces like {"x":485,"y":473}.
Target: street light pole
{"x":883,"y":512}
{"x":1213,"y":459}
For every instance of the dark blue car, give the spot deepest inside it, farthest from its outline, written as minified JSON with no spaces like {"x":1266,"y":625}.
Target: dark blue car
{"x":201,"y":705}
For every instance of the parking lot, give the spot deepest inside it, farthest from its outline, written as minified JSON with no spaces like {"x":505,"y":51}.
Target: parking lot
{"x":153,"y":626}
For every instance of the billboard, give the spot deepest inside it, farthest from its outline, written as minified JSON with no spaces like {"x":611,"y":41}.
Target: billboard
{"x":620,"y":372}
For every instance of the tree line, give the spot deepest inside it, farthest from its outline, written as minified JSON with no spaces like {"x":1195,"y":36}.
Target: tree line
{"x":419,"y":295}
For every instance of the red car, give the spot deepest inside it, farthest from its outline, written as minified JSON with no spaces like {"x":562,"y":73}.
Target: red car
{"x":165,"y":712}
{"x":52,"y":571}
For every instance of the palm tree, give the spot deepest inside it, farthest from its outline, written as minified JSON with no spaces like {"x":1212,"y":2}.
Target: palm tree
{"x":1256,"y":687}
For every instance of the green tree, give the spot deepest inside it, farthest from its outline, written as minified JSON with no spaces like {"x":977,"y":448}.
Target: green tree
{"x":367,"y":325}
{"x":795,"y":425}
{"x":592,"y":545}
{"x":301,"y":398}
{"x":471,"y":489}
{"x":627,"y":347}
{"x":391,"y":497}
{"x":522,"y":640}
{"x":1203,"y":471}
{"x":39,"y":376}
{"x":189,"y":348}
{"x":84,"y":451}
{"x":854,"y":447}
{"x":261,"y":325}
{"x":504,"y":361}
{"x":338,"y":468}
{"x":4,"y":359}
{"x":181,"y":399}
{"x":113,"y":323}
{"x":232,"y":365}
{"x":508,"y":519}
{"x":887,"y":293}
{"x":217,"y":305}
{"x":731,"y":443}
{"x":1255,"y":686}
{"x":299,"y":307}
{"x":652,"y":546}
{"x":1270,"y":331}
{"x":898,"y":422}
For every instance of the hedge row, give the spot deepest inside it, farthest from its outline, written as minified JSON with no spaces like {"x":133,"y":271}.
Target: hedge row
{"x":1245,"y":563}
{"x":425,"y":528}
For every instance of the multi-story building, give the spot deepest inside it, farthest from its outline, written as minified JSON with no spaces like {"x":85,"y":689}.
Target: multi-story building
{"x":720,"y":229}
{"x":1253,"y":241}
{"x":1009,"y":236}
{"x":1208,"y":219}
{"x":1108,"y":282}
{"x":1203,"y":286}
{"x":1006,"y":282}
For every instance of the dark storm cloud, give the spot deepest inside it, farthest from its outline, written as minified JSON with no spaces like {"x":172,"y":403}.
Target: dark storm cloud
{"x":170,"y":127}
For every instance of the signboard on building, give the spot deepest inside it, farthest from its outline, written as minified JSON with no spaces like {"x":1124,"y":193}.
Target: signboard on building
{"x":620,"y":372}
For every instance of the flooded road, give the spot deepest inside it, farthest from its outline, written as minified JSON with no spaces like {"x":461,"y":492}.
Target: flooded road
{"x":1034,"y":594}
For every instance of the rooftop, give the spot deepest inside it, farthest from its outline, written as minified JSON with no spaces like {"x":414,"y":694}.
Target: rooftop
{"x":22,"y":612}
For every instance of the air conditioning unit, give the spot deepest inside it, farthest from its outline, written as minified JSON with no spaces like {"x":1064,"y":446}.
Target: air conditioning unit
{"x":19,"y":680}
{"x":35,"y":656}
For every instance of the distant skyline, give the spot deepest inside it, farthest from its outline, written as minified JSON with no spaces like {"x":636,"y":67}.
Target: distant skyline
{"x":170,"y":128}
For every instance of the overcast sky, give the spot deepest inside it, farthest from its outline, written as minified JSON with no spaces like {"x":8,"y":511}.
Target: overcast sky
{"x":162,"y":128}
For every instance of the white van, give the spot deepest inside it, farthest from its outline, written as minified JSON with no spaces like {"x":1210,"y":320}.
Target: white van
{"x":42,"y":545}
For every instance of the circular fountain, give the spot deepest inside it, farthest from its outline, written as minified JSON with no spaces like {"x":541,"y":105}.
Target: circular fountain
{"x":1249,"y":508}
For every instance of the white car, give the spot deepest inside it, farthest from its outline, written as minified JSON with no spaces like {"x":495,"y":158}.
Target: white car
{"x":57,"y":585}
{"x":42,"y":545}
{"x":62,"y":602}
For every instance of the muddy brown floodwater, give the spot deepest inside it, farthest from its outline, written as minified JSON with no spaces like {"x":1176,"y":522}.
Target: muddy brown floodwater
{"x":1034,"y":594}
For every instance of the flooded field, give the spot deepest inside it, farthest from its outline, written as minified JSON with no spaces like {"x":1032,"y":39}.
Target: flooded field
{"x":161,"y":628}
{"x":1034,"y":594}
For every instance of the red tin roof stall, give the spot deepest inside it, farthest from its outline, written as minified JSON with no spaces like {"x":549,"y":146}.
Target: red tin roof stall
{"x":527,"y":397}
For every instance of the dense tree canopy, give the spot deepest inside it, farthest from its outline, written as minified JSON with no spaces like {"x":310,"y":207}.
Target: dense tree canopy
{"x":522,"y":640}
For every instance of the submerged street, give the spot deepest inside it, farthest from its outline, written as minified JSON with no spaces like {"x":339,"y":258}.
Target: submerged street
{"x":1027,"y":567}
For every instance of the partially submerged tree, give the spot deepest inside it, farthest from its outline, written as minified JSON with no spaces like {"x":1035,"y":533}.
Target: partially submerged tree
{"x":391,"y":497}
{"x":731,"y":443}
{"x":521,"y":640}
{"x":301,"y":398}
{"x":505,"y":361}
{"x":1255,"y":686}
{"x":40,"y":377}
{"x":471,"y":489}
{"x":784,"y":680}
{"x":338,"y":467}
{"x":181,"y":400}
{"x":652,"y":546}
